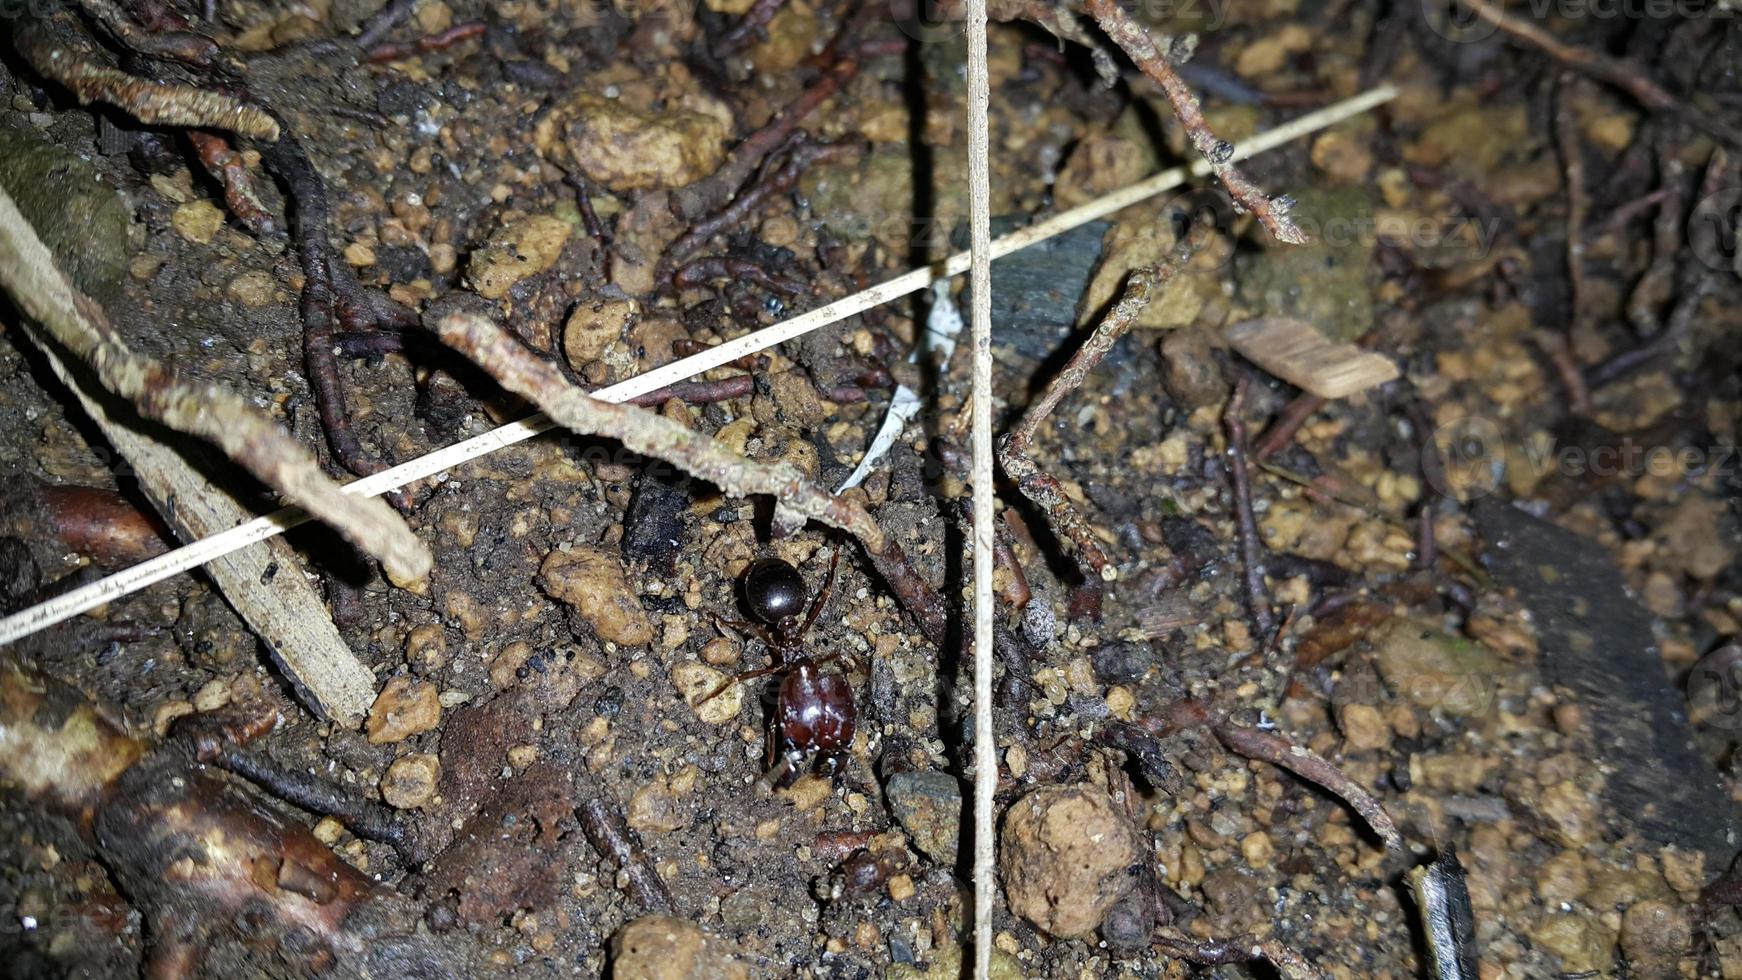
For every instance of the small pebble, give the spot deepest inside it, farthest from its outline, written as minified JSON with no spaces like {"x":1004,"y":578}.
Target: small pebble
{"x":411,"y":780}
{"x":404,"y":708}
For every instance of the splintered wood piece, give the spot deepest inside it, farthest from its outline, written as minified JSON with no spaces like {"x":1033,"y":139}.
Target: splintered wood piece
{"x":264,"y":583}
{"x":1297,"y":353}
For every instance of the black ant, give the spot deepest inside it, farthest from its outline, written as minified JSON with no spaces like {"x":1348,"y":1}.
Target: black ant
{"x":815,"y":711}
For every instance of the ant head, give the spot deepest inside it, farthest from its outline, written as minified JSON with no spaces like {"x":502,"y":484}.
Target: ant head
{"x":774,"y":592}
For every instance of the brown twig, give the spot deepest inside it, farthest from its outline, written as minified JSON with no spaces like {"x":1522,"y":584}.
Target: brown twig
{"x":75,"y":67}
{"x":617,"y":843}
{"x":396,"y":50}
{"x":226,"y":166}
{"x":1308,"y":765}
{"x":717,"y":267}
{"x":1013,"y":449}
{"x":841,"y":63}
{"x":1288,"y":424}
{"x":1241,"y":949}
{"x":800,"y":154}
{"x":78,"y":324}
{"x":215,"y":744}
{"x":328,"y":294}
{"x":699,"y":392}
{"x":1246,"y":525}
{"x":1628,"y":77}
{"x":589,"y":217}
{"x":1694,"y":283}
{"x":749,"y":28}
{"x":1142,"y":50}
{"x":1654,"y":287}
{"x":1559,"y":350}
{"x":376,"y":29}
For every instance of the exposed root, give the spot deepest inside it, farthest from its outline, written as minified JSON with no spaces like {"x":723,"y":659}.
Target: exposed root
{"x":1628,"y":77}
{"x":152,"y":40}
{"x":329,"y":296}
{"x":204,"y":859}
{"x":1041,"y":487}
{"x":1308,"y":765}
{"x":225,"y":165}
{"x":750,"y":28}
{"x":841,"y":63}
{"x":155,"y":103}
{"x":800,"y":154}
{"x":78,"y":324}
{"x":1143,"y":51}
{"x":1245,"y":523}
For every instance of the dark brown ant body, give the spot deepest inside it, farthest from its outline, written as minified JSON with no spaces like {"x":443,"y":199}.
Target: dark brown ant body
{"x":815,"y":713}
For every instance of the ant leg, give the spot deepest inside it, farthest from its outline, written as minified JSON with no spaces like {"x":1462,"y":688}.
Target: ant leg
{"x":748,"y":675}
{"x":743,"y":626}
{"x":823,"y":596}
{"x":793,"y":763}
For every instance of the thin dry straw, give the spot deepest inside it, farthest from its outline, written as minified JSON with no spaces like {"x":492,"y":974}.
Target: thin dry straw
{"x":980,"y":317}
{"x":130,"y":580}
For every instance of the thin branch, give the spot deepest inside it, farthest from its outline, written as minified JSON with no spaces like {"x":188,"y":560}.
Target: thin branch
{"x":1559,"y":347}
{"x":1142,"y":50}
{"x":1243,"y":949}
{"x":1041,"y":487}
{"x":526,"y":374}
{"x":77,"y":323}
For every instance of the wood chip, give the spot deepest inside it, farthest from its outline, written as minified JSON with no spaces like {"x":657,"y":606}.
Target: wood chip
{"x":1297,"y":353}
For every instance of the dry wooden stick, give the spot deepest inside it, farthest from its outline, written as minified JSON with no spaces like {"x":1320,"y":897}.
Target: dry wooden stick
{"x":1627,"y":77}
{"x":526,"y":374}
{"x":982,"y":534}
{"x":1036,"y":484}
{"x":1219,"y":153}
{"x":74,"y":321}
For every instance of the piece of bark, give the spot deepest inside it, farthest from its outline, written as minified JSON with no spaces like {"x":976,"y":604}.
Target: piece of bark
{"x":1296,"y":352}
{"x":264,"y":582}
{"x":1597,"y":643}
